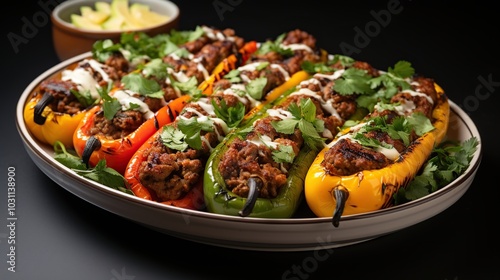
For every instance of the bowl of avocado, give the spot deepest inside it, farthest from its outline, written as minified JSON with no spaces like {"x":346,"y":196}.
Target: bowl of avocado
{"x":78,"y":24}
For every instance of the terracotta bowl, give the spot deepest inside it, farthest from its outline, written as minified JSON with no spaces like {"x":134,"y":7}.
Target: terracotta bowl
{"x":70,"y":41}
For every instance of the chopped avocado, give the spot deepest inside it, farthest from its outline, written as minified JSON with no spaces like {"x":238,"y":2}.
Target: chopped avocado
{"x":85,"y":23}
{"x":120,"y":8}
{"x":103,"y":7}
{"x":96,"y":17}
{"x":117,"y":16}
{"x":113,"y":23}
{"x":144,"y":16}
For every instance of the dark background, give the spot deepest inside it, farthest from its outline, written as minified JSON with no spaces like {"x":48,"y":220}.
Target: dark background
{"x":60,"y":236}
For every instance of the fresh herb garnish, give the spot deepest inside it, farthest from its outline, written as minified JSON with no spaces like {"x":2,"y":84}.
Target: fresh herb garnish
{"x":136,"y":82}
{"x":393,"y":81}
{"x":187,"y":134}
{"x":255,"y":88}
{"x":275,"y":46}
{"x":448,"y":161}
{"x":100,"y":173}
{"x":102,"y":50}
{"x":303,"y":118}
{"x":283,"y":153}
{"x":231,"y":115}
{"x":188,"y":87}
{"x":155,"y":68}
{"x":353,"y":81}
{"x":84,"y":97}
{"x":110,"y":105}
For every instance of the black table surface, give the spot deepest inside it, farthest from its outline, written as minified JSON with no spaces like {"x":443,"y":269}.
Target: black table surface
{"x":60,"y":236}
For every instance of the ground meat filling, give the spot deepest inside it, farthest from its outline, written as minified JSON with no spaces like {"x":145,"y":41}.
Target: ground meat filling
{"x":124,"y":123}
{"x":243,"y":160}
{"x":292,"y":64}
{"x":207,"y":56}
{"x":170,"y":174}
{"x":120,"y":65}
{"x":64,"y":101}
{"x":349,"y":157}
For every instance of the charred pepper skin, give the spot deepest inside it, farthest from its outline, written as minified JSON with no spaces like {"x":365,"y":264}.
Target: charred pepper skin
{"x":118,"y":152}
{"x":195,"y":199}
{"x":219,"y":199}
{"x":371,"y":190}
{"x":54,"y":126}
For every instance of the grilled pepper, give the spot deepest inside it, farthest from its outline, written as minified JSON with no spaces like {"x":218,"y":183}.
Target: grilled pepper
{"x":370,"y":190}
{"x":170,"y":169}
{"x":48,"y":126}
{"x":219,"y":199}
{"x":117,"y":152}
{"x":259,"y":170}
{"x":60,"y":102}
{"x":194,"y":198}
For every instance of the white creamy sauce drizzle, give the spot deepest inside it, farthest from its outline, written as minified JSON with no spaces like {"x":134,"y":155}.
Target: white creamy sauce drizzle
{"x":335,"y":75}
{"x":253,"y":66}
{"x":406,"y":107}
{"x":134,"y":62}
{"x":84,"y":79}
{"x":235,"y":89}
{"x":391,"y":153}
{"x":212,"y":34}
{"x":206,"y":105}
{"x":295,"y":47}
{"x":125,"y":98}
{"x":416,"y":93}
{"x":263,"y":140}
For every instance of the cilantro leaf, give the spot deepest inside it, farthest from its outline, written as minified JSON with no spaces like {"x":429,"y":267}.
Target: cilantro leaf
{"x":283,"y":153}
{"x":353,"y":81}
{"x":304,"y":118}
{"x":402,"y":69}
{"x":446,"y":163}
{"x":110,"y":105}
{"x":173,"y":138}
{"x":189,"y":87}
{"x":232,"y":116}
{"x":70,"y":160}
{"x":255,"y":88}
{"x":100,"y":173}
{"x":187,"y":134}
{"x":155,"y":68}
{"x":138,"y":83}
{"x":275,"y":46}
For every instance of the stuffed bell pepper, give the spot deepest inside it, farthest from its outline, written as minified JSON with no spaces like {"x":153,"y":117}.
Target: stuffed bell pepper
{"x":367,"y":162}
{"x":60,"y":102}
{"x":149,"y":98}
{"x":169,"y":167}
{"x":259,"y":171}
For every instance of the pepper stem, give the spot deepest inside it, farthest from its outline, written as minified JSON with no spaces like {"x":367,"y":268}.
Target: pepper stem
{"x":255,"y":185}
{"x":340,"y":194}
{"x":91,"y":145}
{"x":40,"y":106}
